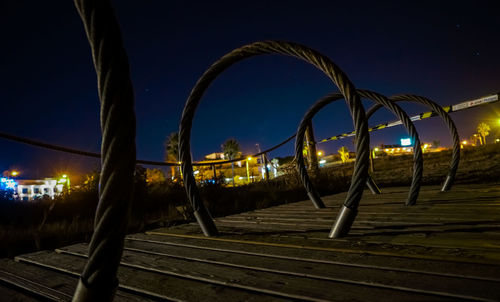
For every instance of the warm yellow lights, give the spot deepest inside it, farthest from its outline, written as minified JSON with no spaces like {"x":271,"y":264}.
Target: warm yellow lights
{"x":14,"y":173}
{"x":376,"y":149}
{"x":464,"y":142}
{"x":320,"y":153}
{"x":249,"y":158}
{"x":426,"y":146}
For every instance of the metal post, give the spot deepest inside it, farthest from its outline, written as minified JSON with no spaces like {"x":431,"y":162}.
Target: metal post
{"x":370,"y":183}
{"x":265,"y":166}
{"x":343,"y":223}
{"x":248,"y":172}
{"x":311,"y":146}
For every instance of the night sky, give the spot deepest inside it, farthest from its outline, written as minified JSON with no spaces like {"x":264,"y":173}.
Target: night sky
{"x":447,"y":51}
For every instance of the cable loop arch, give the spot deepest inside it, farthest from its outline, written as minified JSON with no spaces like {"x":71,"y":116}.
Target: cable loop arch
{"x":455,"y":158}
{"x":275,"y":47}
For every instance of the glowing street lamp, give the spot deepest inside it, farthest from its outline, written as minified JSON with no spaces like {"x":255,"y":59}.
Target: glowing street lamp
{"x":14,"y":173}
{"x":320,"y":153}
{"x":64,"y":180}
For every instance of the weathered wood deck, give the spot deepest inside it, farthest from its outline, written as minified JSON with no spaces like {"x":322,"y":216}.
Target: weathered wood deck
{"x":446,"y":248}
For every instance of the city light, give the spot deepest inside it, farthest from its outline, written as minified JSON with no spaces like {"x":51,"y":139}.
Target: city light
{"x":464,"y":142}
{"x":249,"y":158}
{"x":376,"y":149}
{"x":322,"y":161}
{"x":14,"y":173}
{"x":320,"y":153}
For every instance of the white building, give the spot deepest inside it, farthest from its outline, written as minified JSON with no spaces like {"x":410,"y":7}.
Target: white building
{"x":33,"y":189}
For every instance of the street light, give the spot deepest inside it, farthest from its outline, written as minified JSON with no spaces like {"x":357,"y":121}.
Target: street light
{"x":64,"y":180}
{"x":14,"y":173}
{"x":320,"y":153}
{"x":248,"y":171}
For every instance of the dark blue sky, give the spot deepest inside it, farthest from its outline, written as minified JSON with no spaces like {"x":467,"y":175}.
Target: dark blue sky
{"x":447,"y":51}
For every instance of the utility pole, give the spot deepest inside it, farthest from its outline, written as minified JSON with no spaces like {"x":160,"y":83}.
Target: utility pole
{"x":263,"y":161}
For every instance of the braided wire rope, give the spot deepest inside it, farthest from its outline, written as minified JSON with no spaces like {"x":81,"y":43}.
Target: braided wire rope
{"x":378,"y":99}
{"x":260,"y":48}
{"x":64,"y":149}
{"x":98,"y":281}
{"x":455,"y":158}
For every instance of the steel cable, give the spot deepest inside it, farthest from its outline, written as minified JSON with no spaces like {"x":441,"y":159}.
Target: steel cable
{"x":98,"y":281}
{"x":259,"y":48}
{"x":379,"y":99}
{"x":55,"y":147}
{"x":455,"y":158}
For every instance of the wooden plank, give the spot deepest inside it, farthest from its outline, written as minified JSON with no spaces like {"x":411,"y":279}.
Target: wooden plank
{"x":7,"y":294}
{"x":47,"y":284}
{"x":345,"y":256}
{"x":38,"y":282}
{"x":152,"y":283}
{"x":374,"y":276}
{"x":296,"y":286}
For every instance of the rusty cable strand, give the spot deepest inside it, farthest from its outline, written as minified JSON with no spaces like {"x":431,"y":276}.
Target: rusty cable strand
{"x":455,"y":158}
{"x":98,"y":281}
{"x":285,"y":48}
{"x":380,"y":100}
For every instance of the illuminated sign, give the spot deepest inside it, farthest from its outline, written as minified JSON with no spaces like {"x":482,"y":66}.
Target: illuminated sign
{"x":406,"y":142}
{"x":7,"y":183}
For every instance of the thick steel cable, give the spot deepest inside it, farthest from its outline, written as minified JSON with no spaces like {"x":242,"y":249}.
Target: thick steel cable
{"x":54,"y":147}
{"x":379,"y":99}
{"x":285,"y":48}
{"x":455,"y":158}
{"x":98,"y":281}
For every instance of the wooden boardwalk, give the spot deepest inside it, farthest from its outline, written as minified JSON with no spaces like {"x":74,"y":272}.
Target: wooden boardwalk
{"x":446,"y":248}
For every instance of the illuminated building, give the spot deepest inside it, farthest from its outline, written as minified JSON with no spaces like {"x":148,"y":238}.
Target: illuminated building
{"x":33,"y":189}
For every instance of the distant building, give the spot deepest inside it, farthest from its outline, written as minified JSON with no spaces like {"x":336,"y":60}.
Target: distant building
{"x":396,"y":149}
{"x":33,"y":189}
{"x":215,"y":156}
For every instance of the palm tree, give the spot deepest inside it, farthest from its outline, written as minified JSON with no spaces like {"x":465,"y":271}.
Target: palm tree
{"x":172,"y":150}
{"x":344,"y":154}
{"x":483,"y":129}
{"x":231,"y":149}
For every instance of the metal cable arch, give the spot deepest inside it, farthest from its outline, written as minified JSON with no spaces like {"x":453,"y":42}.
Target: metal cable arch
{"x":259,"y":48}
{"x":379,"y":99}
{"x":98,"y":281}
{"x":455,"y":159}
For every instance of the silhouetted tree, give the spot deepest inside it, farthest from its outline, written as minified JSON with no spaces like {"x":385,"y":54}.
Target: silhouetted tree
{"x":484,"y":130}
{"x":231,"y":149}
{"x":172,"y":151}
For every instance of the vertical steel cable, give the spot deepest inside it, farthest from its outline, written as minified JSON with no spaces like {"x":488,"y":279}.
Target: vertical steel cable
{"x":285,"y":48}
{"x":98,"y":281}
{"x":380,"y":100}
{"x":455,"y":158}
